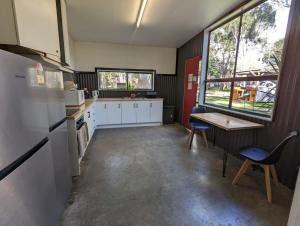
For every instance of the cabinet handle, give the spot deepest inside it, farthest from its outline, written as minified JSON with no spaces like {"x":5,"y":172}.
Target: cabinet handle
{"x":119,"y":106}
{"x":133,"y":105}
{"x":104,"y":106}
{"x":137,"y":105}
{"x":151,"y":105}
{"x":89,"y":114}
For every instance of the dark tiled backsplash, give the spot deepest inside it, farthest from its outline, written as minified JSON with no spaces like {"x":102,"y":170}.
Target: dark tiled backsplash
{"x":164,"y":85}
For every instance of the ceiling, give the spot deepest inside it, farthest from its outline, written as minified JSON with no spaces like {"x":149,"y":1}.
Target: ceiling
{"x":166,"y":23}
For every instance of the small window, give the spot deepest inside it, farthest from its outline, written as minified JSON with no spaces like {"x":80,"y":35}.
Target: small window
{"x":244,"y":59}
{"x":125,"y":79}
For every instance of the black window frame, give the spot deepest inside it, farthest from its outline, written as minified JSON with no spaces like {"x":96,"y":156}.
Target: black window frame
{"x":238,"y":79}
{"x":126,"y":71}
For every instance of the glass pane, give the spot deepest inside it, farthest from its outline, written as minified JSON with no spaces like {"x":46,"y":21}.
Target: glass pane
{"x":112,"y":80}
{"x":218,"y":93}
{"x":254,"y":96}
{"x":222,"y":50}
{"x":140,"y":81}
{"x":262,"y":38}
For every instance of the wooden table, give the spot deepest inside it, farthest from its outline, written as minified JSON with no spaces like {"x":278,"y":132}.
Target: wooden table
{"x":227,"y":123}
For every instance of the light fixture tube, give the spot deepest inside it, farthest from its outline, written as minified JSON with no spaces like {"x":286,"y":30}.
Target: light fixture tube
{"x":141,"y":13}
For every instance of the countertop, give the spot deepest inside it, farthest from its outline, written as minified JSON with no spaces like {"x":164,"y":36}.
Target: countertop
{"x":80,"y":109}
{"x":88,"y":102}
{"x":127,"y":99}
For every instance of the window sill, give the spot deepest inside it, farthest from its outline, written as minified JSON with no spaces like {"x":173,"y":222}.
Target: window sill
{"x":239,"y":113}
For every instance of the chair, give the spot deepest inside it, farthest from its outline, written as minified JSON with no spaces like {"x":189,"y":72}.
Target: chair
{"x":198,"y":125}
{"x":259,"y":156}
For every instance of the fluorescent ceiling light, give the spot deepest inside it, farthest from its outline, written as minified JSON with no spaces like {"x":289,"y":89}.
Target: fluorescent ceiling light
{"x":141,"y":13}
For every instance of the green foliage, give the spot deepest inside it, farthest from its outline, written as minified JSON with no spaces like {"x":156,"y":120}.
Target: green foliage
{"x":223,"y":40}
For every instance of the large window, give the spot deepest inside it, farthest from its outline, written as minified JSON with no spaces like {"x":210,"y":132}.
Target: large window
{"x":244,"y":58}
{"x":125,"y":79}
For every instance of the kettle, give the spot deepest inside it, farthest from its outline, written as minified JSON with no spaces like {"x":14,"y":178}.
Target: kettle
{"x":95,"y":93}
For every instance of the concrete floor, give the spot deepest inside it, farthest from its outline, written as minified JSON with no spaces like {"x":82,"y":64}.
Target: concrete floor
{"x":146,"y":176}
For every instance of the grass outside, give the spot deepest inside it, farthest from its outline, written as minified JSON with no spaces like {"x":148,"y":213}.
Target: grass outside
{"x":221,"y":98}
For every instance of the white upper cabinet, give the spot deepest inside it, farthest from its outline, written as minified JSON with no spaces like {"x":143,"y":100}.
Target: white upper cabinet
{"x":142,"y":111}
{"x":156,"y":109}
{"x":32,"y":24}
{"x":65,"y":31}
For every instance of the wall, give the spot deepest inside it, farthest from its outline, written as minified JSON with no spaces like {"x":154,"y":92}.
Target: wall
{"x":164,"y":85}
{"x":190,"y":49}
{"x":287,"y":112}
{"x":89,"y":55}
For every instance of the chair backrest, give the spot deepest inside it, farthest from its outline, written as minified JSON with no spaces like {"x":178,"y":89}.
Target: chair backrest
{"x":200,"y":109}
{"x":277,"y":151}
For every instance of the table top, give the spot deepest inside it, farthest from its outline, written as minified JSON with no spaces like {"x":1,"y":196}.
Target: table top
{"x":226,"y":122}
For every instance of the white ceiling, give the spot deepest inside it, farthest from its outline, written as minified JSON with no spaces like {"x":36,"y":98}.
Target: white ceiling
{"x":167,"y":23}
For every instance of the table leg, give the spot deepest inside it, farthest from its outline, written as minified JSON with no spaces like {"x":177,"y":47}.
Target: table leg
{"x":254,"y":136}
{"x":225,"y":156}
{"x":214,"y":134}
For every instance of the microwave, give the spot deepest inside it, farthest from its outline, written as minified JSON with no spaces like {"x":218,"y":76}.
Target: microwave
{"x":74,"y":97}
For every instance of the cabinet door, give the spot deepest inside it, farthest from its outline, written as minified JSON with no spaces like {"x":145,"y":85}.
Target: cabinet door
{"x":142,"y":111}
{"x":88,"y":120}
{"x":128,"y":112}
{"x":101,"y":113}
{"x":114,"y":113}
{"x":156,"y":108}
{"x":37,"y":25}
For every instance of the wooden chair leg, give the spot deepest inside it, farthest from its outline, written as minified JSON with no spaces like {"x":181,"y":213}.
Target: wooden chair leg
{"x":274,"y":174}
{"x":268,"y":183}
{"x":191,"y":138}
{"x":204,"y":138}
{"x":242,"y":170}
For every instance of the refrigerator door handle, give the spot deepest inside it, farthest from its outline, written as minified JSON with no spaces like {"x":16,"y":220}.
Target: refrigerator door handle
{"x":53,"y":127}
{"x":19,"y":161}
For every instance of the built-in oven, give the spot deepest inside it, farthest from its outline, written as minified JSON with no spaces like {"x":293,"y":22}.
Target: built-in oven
{"x":82,"y":135}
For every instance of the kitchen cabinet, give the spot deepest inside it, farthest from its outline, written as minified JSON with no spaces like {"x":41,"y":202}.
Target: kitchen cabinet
{"x":108,"y":113}
{"x":123,"y":113}
{"x":128,"y":112}
{"x":32,"y":24}
{"x":142,"y":111}
{"x":101,"y":113}
{"x":156,"y":109}
{"x":114,"y":114}
{"x":65,"y":32}
{"x":89,"y":122}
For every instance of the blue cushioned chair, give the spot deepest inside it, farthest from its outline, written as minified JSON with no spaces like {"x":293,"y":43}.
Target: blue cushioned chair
{"x":259,"y":156}
{"x":198,"y":125}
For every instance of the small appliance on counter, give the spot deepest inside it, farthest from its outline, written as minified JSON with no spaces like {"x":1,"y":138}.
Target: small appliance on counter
{"x":74,"y":97}
{"x":151,"y":94}
{"x":95,"y":93}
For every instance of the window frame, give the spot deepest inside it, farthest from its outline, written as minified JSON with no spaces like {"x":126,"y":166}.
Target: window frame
{"x":126,"y":71}
{"x":239,"y":12}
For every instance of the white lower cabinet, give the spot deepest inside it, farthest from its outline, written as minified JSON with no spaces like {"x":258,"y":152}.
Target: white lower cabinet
{"x":156,"y":108}
{"x":128,"y":112}
{"x":114,"y":113}
{"x":101,"y":113}
{"x":142,"y":111}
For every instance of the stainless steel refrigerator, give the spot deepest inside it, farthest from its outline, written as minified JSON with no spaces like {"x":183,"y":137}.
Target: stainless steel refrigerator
{"x":30,"y":166}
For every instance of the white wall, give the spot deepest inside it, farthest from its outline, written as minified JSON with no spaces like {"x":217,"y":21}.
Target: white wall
{"x":89,"y":55}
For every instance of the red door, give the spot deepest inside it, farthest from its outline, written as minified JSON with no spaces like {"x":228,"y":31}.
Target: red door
{"x":190,"y":88}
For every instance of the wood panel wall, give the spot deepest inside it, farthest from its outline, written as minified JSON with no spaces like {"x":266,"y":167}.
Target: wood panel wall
{"x":287,"y":115}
